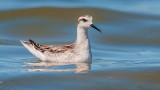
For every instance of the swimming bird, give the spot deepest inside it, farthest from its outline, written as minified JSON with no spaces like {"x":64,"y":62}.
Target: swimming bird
{"x":76,"y":52}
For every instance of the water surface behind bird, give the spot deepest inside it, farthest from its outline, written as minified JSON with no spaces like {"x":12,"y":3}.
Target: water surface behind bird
{"x":125,"y":56}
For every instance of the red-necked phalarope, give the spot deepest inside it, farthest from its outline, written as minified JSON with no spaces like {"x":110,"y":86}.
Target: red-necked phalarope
{"x":77,"y":52}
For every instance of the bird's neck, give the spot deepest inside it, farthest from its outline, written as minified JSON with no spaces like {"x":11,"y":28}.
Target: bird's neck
{"x":82,"y":43}
{"x":82,"y":34}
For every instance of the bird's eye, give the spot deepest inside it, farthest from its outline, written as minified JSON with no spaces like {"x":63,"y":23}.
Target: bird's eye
{"x":84,"y":20}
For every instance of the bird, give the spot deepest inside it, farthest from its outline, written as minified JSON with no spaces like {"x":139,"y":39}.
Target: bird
{"x":76,"y":52}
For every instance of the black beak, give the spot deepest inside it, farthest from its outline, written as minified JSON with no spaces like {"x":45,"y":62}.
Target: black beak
{"x":95,"y":28}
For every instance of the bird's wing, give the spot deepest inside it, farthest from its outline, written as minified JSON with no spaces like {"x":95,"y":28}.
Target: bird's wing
{"x":52,"y":49}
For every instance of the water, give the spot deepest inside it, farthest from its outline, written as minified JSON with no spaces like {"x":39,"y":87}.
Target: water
{"x":125,"y":56}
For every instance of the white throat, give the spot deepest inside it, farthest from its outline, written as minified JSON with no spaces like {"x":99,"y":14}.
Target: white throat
{"x":82,"y":41}
{"x":83,"y":44}
{"x":82,"y":34}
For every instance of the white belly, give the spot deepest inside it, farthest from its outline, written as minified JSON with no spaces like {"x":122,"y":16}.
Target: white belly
{"x":78,"y":57}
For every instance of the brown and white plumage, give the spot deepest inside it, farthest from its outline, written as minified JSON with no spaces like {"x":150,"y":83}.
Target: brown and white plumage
{"x":79,"y":51}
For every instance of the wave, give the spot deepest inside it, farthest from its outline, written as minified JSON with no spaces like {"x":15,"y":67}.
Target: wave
{"x":138,"y":6}
{"x":58,"y":24}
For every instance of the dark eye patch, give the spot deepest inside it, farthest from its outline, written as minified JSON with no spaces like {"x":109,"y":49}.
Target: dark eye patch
{"x":84,"y":20}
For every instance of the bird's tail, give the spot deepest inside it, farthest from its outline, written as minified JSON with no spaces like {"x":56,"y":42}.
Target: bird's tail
{"x":33,"y":47}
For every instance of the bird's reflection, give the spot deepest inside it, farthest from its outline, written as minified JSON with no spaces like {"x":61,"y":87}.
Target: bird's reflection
{"x":46,"y":67}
